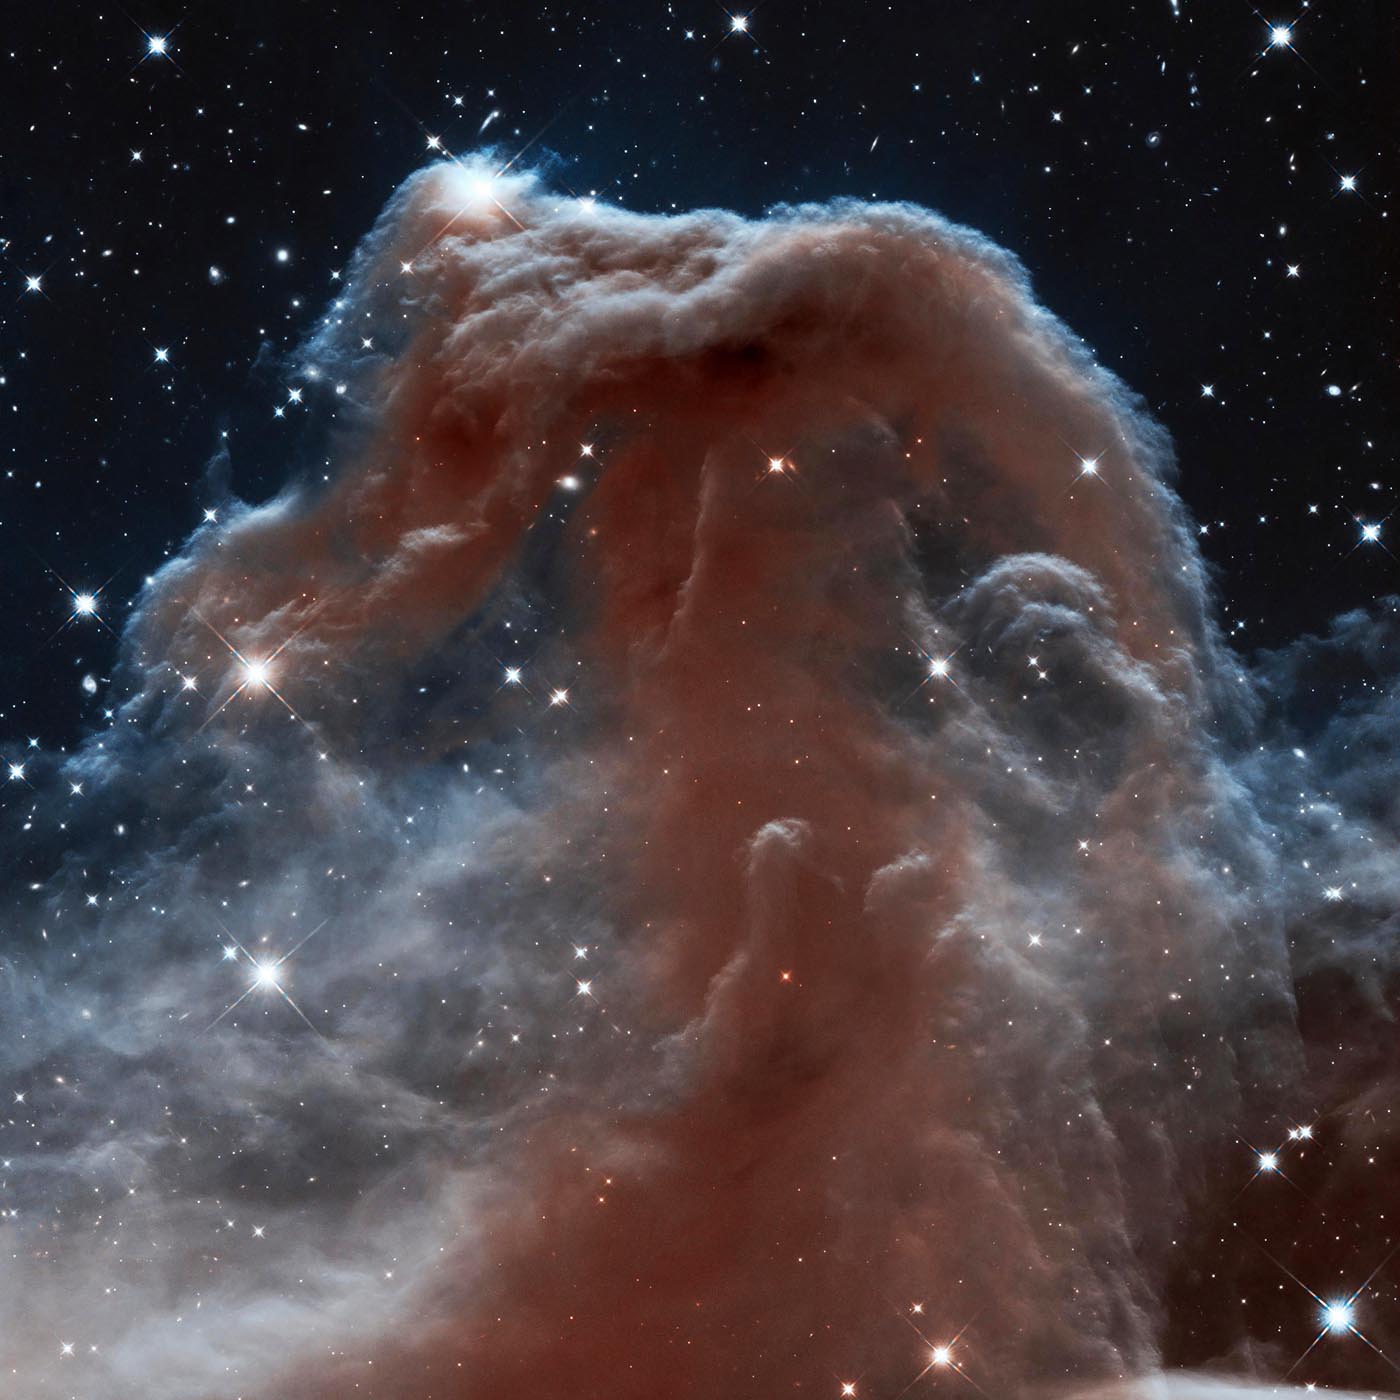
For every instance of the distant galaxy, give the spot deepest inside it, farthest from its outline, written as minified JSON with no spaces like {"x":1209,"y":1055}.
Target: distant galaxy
{"x":708,"y":835}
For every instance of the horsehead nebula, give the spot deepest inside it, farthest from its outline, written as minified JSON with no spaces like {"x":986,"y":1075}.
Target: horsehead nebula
{"x":710,"y":846}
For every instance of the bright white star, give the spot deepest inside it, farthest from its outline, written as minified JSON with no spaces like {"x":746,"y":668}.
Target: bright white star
{"x":157,"y":45}
{"x":1370,"y":534}
{"x":85,"y":604}
{"x":1337,"y":1316}
{"x":1280,"y":36}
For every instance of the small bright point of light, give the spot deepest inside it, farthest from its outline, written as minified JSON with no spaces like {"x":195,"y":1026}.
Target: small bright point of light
{"x":230,"y":954}
{"x":1337,"y":1316}
{"x":1348,"y":183}
{"x":435,"y":143}
{"x":585,"y":449}
{"x":776,"y":464}
{"x":585,"y":989}
{"x":157,"y":44}
{"x":1305,"y":1131}
{"x":512,"y":675}
{"x":162,"y":356}
{"x":1293,"y":269}
{"x":186,"y":682}
{"x":569,"y":483}
{"x":483,"y":187}
{"x":942,"y":1356}
{"x":1207,"y":391}
{"x":848,"y":1387}
{"x":255,"y":673}
{"x":1089,"y":466}
{"x":558,"y":697}
{"x":1268,"y":1162}
{"x":739,"y":24}
{"x":266,"y":975}
{"x":1370,"y":534}
{"x":33,"y":284}
{"x":1281,"y":35}
{"x":1332,"y":893}
{"x":16,"y":772}
{"x":283,"y":255}
{"x":938,"y":666}
{"x":85,"y":604}
{"x":588,"y":204}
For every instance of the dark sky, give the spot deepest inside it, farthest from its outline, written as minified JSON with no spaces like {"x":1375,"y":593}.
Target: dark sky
{"x":1157,"y":166}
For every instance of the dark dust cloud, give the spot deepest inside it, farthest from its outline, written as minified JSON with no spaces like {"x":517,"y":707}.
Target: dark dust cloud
{"x":712,"y":847}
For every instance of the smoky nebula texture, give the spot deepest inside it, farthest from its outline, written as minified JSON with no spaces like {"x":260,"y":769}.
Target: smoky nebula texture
{"x":880,"y":884}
